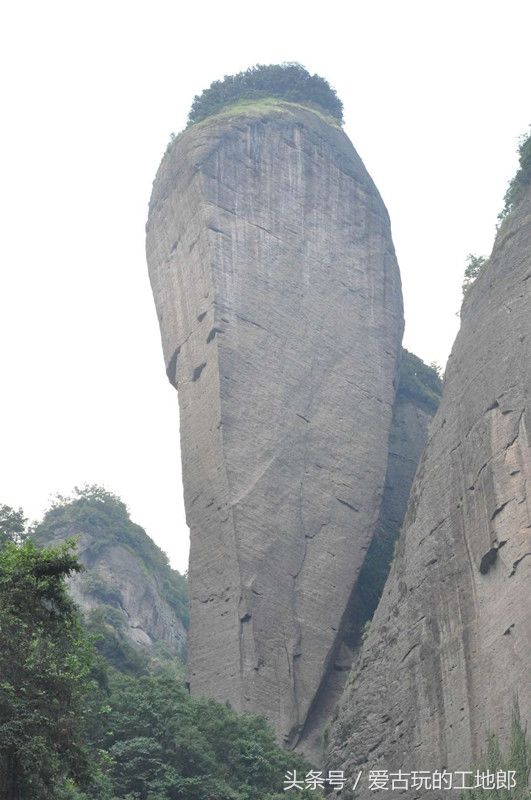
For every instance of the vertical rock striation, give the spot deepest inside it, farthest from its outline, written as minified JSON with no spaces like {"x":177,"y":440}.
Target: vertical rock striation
{"x":415,"y":404}
{"x":279,"y":301}
{"x":451,"y":639}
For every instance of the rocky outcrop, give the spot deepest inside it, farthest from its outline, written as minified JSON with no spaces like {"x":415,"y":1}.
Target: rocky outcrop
{"x":450,"y":642}
{"x":116,"y":577}
{"x":127,"y":592}
{"x":415,"y":404}
{"x":278,"y":296}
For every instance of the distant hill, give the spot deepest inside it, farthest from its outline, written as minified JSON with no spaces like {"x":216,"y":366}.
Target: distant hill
{"x":128,"y":593}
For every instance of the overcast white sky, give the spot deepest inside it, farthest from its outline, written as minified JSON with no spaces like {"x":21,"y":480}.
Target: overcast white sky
{"x":436,"y":95}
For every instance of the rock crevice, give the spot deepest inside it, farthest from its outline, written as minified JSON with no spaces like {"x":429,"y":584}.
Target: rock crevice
{"x":434,"y":661}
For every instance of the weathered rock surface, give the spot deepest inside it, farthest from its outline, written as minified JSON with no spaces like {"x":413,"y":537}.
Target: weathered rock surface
{"x":279,"y":301}
{"x":450,"y":642}
{"x":120,"y":578}
{"x":413,"y":411}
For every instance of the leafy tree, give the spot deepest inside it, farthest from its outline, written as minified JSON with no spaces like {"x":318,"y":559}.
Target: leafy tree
{"x":150,"y":740}
{"x":45,"y":668}
{"x":474,"y":265}
{"x":290,"y":82}
{"x":163,"y":744}
{"x":518,"y":761}
{"x":12,"y":525}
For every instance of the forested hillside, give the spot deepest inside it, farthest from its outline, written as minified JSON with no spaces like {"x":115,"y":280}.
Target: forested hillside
{"x":73,"y":727}
{"x":129,"y":594}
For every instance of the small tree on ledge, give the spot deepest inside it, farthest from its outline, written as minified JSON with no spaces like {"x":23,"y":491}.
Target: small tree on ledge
{"x":474,"y":265}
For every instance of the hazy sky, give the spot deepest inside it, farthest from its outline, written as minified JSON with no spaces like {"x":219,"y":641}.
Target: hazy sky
{"x":436,"y":95}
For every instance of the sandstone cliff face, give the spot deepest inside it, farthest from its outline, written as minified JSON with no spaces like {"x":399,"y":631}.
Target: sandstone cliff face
{"x":279,"y":302}
{"x":451,"y":640}
{"x":412,"y":414}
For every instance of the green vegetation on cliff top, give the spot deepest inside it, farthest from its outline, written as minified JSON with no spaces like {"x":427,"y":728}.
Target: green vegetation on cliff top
{"x":419,"y":382}
{"x":262,"y":107}
{"x":521,"y":180}
{"x":513,"y":195}
{"x":289,"y":82}
{"x":104,"y":517}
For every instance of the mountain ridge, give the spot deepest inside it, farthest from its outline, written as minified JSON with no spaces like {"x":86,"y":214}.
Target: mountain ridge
{"x":128,"y":592}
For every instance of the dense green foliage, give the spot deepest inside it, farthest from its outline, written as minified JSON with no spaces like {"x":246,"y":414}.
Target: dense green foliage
{"x":521,"y":180}
{"x":12,"y":525}
{"x":45,"y":672}
{"x":290,"y":82}
{"x":419,"y":382}
{"x":104,"y":516}
{"x":72,"y":728}
{"x":517,"y":760}
{"x":159,"y":743}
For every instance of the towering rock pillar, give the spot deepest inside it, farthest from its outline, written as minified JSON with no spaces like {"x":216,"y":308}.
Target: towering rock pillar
{"x":279,"y":301}
{"x":450,"y":643}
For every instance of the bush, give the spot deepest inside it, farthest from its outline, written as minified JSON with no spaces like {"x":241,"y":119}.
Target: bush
{"x":522,"y":178}
{"x":99,"y":588}
{"x":474,"y":265}
{"x":290,"y":82}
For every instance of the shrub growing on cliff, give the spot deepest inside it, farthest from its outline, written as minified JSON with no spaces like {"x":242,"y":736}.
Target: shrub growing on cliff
{"x":473,"y":267}
{"x":285,"y":81}
{"x":521,"y":179}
